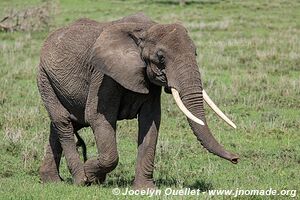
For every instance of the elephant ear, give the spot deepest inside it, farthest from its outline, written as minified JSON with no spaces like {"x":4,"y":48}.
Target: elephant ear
{"x":116,"y":54}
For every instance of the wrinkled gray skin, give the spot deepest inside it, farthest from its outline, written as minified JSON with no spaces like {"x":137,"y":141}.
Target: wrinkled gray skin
{"x":94,"y":74}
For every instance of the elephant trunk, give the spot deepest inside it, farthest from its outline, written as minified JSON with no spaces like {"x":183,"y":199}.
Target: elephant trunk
{"x":189,"y":87}
{"x":194,"y":103}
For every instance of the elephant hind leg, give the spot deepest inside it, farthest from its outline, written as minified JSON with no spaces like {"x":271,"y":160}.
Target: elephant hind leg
{"x":65,"y":132}
{"x":49,"y":170}
{"x":62,"y":131}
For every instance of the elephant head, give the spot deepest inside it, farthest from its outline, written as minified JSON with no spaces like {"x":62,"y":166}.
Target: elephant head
{"x":136,"y":54}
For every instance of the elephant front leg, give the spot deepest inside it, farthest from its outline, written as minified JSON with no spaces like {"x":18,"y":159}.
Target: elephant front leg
{"x":107,"y":160}
{"x":149,"y":121}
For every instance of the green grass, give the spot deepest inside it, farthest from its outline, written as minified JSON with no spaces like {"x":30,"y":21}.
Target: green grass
{"x":249,"y":58}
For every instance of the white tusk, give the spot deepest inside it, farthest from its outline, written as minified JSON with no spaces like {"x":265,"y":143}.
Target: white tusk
{"x":216,"y":109}
{"x":183,"y":108}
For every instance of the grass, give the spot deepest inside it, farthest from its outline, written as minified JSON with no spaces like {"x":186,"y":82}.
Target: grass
{"x":249,"y":58}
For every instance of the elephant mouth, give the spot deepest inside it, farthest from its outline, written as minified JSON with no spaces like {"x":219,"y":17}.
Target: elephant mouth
{"x":168,"y":90}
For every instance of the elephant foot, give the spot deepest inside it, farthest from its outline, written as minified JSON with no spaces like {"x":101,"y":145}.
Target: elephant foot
{"x":147,"y":184}
{"x":98,"y":178}
{"x":49,"y":176}
{"x":80,"y":179}
{"x":96,"y":172}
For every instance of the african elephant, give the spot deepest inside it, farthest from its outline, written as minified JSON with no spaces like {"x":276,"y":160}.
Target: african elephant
{"x":94,"y":74}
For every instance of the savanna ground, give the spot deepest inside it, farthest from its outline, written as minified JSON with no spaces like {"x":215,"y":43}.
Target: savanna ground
{"x":249,"y":58}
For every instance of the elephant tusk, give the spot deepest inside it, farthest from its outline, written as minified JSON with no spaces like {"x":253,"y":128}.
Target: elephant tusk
{"x":215,"y":108}
{"x":183,"y":108}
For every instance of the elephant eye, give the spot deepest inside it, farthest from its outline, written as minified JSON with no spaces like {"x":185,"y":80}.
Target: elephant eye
{"x":160,"y":56}
{"x":196,"y":54}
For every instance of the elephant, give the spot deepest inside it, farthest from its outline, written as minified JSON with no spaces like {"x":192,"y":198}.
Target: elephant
{"x":93,"y":74}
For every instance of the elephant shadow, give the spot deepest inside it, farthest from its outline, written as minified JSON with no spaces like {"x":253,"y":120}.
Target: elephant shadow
{"x":188,"y":2}
{"x":202,"y":185}
{"x":120,"y":182}
{"x":123,"y":182}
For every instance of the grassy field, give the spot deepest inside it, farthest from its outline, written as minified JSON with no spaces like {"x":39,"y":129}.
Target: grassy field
{"x":249,"y":57}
